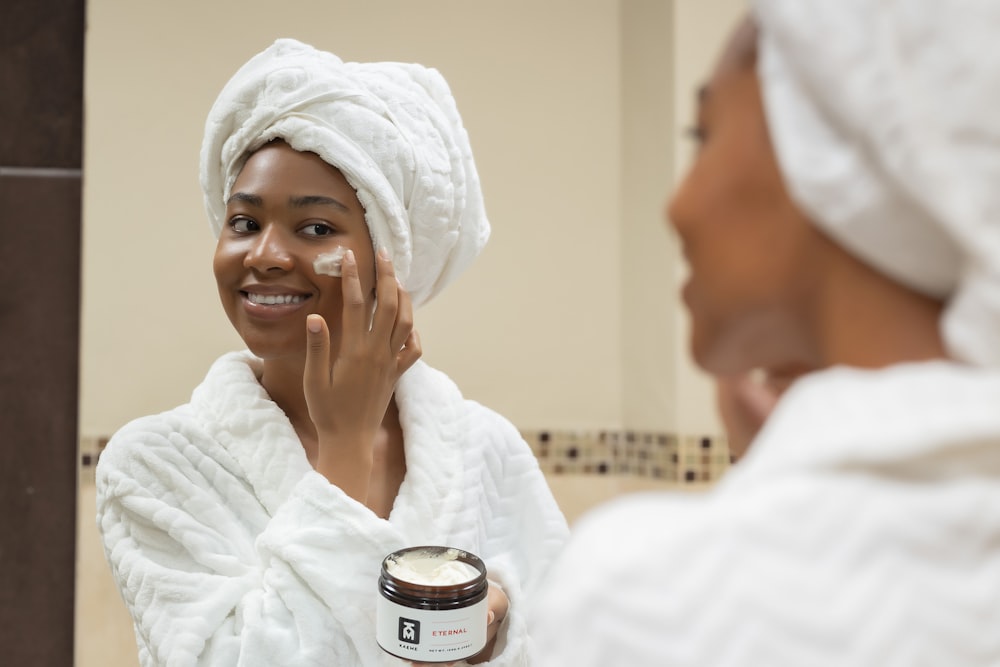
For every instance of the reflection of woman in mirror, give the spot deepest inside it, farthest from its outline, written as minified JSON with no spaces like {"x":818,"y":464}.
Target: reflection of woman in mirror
{"x":841,"y":221}
{"x":248,"y":526}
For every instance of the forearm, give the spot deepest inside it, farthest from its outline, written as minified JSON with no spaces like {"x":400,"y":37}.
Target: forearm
{"x":250,"y":606}
{"x":346,"y":465}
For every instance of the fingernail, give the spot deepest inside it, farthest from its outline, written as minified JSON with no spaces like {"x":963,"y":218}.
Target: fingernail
{"x":314,"y":324}
{"x":348,"y":256}
{"x":490,"y":616}
{"x":383,"y":253}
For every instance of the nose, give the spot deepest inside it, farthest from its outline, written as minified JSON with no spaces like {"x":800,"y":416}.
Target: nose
{"x":684,"y":205}
{"x":270,"y":251}
{"x":672,"y":209}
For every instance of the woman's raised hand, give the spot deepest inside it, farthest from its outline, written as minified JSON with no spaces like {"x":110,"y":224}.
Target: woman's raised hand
{"x":746,"y":401}
{"x":348,"y":393}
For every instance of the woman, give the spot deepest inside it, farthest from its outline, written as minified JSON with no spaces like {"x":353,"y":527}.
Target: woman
{"x":841,"y":222}
{"x":248,"y":526}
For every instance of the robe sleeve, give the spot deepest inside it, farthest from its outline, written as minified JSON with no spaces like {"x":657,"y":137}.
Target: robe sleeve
{"x":524,"y":532}
{"x":207,"y":586}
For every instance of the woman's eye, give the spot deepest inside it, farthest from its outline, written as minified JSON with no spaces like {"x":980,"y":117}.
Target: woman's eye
{"x":695,"y":133}
{"x":243,"y":225}
{"x":317,"y":229}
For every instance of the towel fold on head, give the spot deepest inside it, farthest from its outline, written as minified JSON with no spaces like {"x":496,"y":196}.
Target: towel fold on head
{"x":392,"y":129}
{"x":889,"y":137}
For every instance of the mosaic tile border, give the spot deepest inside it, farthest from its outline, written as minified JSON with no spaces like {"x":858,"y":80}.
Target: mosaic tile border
{"x":90,"y":450}
{"x":690,"y":459}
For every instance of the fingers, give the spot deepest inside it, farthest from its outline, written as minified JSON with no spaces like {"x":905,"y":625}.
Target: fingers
{"x":403,"y":324}
{"x":391,"y":325}
{"x":394,"y":313}
{"x":386,"y":295}
{"x":410,"y":353}
{"x":744,"y":402}
{"x":749,"y":398}
{"x":317,"y":371}
{"x":757,"y":398}
{"x":499,"y":604}
{"x":355,"y":319}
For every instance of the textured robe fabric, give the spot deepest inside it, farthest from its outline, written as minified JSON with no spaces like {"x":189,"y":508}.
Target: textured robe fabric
{"x":862,"y":529}
{"x":229,"y":549}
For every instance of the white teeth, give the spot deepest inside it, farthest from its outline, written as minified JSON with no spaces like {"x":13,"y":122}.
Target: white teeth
{"x":274,"y":299}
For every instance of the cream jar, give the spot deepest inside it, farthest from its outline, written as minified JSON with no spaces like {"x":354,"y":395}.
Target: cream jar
{"x":432,"y":604}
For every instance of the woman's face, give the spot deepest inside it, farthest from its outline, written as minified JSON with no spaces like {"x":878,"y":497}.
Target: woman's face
{"x":753,"y":257}
{"x":286,"y":208}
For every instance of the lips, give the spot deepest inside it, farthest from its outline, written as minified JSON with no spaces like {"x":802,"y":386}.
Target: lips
{"x":272,"y":301}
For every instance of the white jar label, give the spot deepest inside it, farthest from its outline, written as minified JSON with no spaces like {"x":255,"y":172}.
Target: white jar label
{"x":431,"y":635}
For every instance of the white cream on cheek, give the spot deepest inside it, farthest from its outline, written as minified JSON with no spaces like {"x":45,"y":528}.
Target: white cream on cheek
{"x":329,"y":263}
{"x":431,"y":570}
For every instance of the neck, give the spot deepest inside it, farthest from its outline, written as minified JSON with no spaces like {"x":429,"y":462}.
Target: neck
{"x":867,"y":320}
{"x":282,"y":379}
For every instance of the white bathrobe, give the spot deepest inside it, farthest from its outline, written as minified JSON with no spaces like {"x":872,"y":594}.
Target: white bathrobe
{"x":230,"y":550}
{"x":862,"y":529}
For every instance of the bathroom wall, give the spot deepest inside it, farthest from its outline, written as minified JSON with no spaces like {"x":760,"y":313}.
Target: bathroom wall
{"x":531,"y":329}
{"x":568,"y":320}
{"x":568,"y":324}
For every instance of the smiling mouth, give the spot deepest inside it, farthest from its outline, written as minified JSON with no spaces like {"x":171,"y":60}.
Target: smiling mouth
{"x":274,"y":299}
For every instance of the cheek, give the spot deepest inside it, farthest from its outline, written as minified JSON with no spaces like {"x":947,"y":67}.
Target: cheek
{"x":366,"y":268}
{"x":732,"y":215}
{"x":219,"y":267}
{"x":709,"y":199}
{"x":226,"y":261}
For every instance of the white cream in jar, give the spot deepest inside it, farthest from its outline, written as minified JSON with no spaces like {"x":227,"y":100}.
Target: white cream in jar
{"x":431,"y":569}
{"x":432,"y":604}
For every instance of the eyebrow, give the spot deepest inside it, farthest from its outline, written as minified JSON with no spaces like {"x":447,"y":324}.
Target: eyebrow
{"x":312,"y":200}
{"x":296,"y":202}
{"x":253,"y":200}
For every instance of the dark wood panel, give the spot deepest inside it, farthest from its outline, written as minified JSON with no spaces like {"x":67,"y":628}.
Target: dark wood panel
{"x":39,"y":324}
{"x":41,"y":83}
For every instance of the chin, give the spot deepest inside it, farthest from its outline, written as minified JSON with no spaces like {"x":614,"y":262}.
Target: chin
{"x":718,"y":356}
{"x":711,"y":363}
{"x":703,"y":345}
{"x":273,"y":349}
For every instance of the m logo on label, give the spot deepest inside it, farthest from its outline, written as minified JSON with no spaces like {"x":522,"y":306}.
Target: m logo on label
{"x":409,"y":630}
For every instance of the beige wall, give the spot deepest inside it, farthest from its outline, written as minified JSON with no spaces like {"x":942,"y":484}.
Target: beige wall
{"x":647,"y":324}
{"x":532,"y":329}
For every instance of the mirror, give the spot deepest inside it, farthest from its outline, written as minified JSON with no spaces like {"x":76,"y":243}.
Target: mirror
{"x":567,"y":322}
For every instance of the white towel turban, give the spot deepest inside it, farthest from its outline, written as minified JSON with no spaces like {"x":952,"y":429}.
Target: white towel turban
{"x":885,"y":116}
{"x":392,"y":129}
